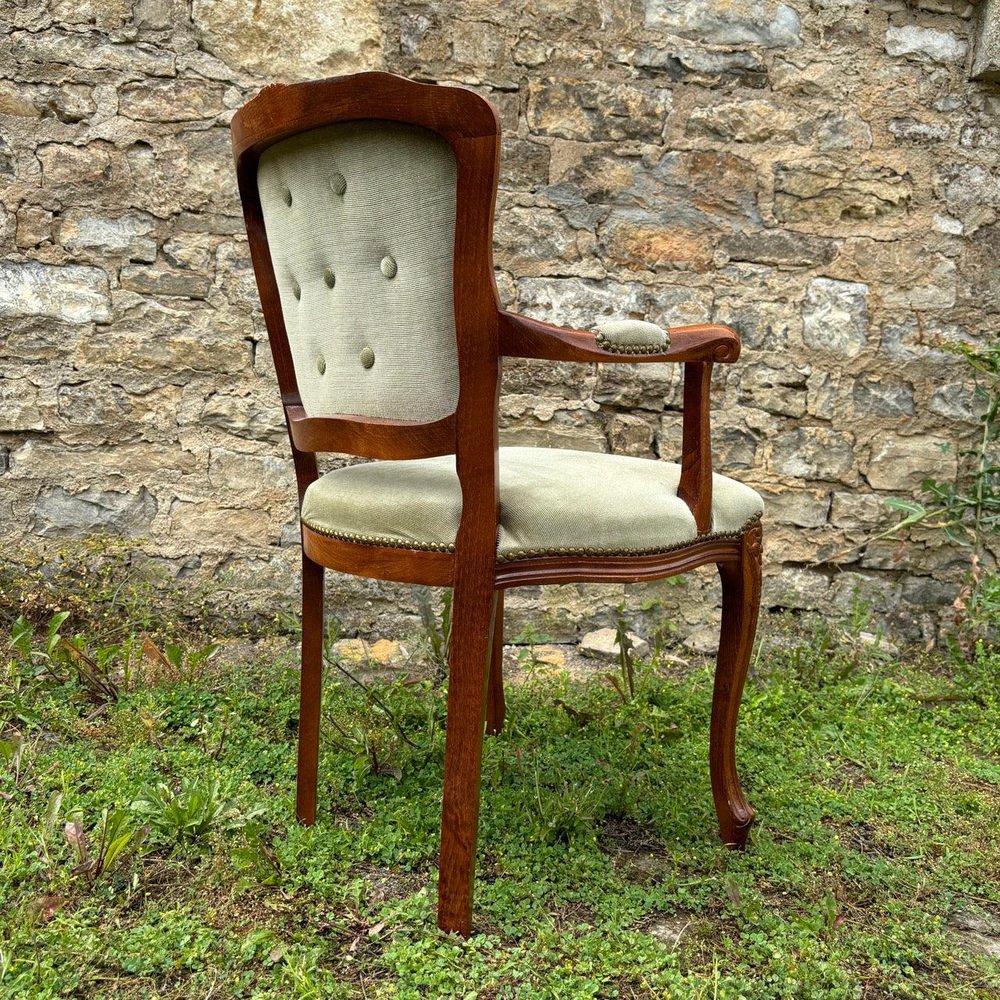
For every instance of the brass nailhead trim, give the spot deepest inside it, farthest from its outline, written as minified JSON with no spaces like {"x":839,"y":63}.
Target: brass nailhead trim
{"x":389,"y":543}
{"x":709,"y":536}
{"x":394,"y":543}
{"x":613,"y":348}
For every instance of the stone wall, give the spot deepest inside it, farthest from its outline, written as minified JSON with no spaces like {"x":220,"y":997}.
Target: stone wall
{"x":822,"y":175}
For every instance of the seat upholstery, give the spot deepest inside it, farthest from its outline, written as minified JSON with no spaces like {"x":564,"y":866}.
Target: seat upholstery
{"x":360,"y":221}
{"x":552,"y":501}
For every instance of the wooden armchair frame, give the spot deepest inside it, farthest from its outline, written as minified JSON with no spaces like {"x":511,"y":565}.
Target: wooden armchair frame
{"x":486,"y":333}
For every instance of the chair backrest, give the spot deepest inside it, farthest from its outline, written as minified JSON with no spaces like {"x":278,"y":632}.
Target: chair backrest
{"x":369,"y":207}
{"x":360,"y":221}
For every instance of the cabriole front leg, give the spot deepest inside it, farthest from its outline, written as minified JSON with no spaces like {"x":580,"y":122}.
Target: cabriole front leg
{"x":740,"y":607}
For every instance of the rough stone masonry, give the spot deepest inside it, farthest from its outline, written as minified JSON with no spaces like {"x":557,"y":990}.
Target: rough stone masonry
{"x":822,"y":174}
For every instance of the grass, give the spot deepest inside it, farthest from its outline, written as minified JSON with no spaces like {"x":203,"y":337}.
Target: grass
{"x":148,"y":850}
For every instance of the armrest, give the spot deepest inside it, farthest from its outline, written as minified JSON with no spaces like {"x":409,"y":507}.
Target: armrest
{"x":696,"y":346}
{"x":521,"y":337}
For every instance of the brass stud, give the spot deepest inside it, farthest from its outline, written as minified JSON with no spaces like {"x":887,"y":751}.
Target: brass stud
{"x":388,"y":267}
{"x":367,"y":358}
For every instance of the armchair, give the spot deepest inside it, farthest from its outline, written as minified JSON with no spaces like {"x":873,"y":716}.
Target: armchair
{"x":368,"y":203}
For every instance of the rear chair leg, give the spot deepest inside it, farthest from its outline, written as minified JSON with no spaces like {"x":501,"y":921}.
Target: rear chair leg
{"x":310,"y":690}
{"x":469,"y":656}
{"x":496,"y":707}
{"x":740,"y":606}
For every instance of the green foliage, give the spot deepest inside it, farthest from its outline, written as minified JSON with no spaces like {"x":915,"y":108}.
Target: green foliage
{"x":98,"y":854}
{"x":530,"y":638}
{"x":967,"y":511}
{"x":189,"y":814}
{"x":599,"y":872}
{"x":436,"y":625}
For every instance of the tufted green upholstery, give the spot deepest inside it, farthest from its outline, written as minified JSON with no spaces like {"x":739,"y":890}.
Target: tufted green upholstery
{"x":551,"y":500}
{"x":360,"y":221}
{"x":632,"y":336}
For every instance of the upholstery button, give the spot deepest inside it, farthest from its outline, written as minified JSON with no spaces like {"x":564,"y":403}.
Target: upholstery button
{"x":296,"y":290}
{"x":329,"y":278}
{"x":388,"y":266}
{"x":338,"y":183}
{"x":321,"y":365}
{"x":367,"y":357}
{"x":286,"y":195}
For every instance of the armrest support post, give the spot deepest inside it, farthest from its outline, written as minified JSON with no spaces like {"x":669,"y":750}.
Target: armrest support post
{"x":695,"y":486}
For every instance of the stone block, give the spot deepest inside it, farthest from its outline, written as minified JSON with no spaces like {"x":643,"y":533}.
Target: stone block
{"x":125,"y":235}
{"x":903,"y":463}
{"x":802,"y":508}
{"x":858,"y":511}
{"x":523,"y":164}
{"x":72,"y":293}
{"x":293,"y":40}
{"x":596,"y":111}
{"x":738,"y":22}
{"x":244,"y":416}
{"x":581,"y":304}
{"x":34,"y":226}
{"x":602,"y":644}
{"x":814,"y":453}
{"x":19,"y":406}
{"x":630,"y":435}
{"x":779,"y":248}
{"x":94,"y":411}
{"x":171,"y":100}
{"x":162,"y":280}
{"x":799,"y":589}
{"x":85,"y":50}
{"x":690,"y":64}
{"x":532,"y":241}
{"x":476,"y":43}
{"x":241,"y":475}
{"x":911,"y":130}
{"x":68,"y":166}
{"x":929,"y":44}
{"x":882,"y":398}
{"x":777,"y":390}
{"x":835,"y":316}
{"x":57,"y":513}
{"x":986,"y":60}
{"x":746,"y":121}
{"x":829,"y":198}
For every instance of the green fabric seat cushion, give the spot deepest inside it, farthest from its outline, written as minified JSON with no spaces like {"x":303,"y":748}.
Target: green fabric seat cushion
{"x":551,"y":501}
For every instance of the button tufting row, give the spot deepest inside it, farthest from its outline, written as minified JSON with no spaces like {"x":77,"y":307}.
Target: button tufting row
{"x":366,"y":357}
{"x":388,"y":267}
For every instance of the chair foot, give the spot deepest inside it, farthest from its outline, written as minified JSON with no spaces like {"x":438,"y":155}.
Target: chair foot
{"x":740,"y":607}
{"x":472,"y":613}
{"x":310,"y":691}
{"x":496,"y":706}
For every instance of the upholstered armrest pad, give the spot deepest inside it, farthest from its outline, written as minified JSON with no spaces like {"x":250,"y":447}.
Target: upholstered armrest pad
{"x":632,"y":336}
